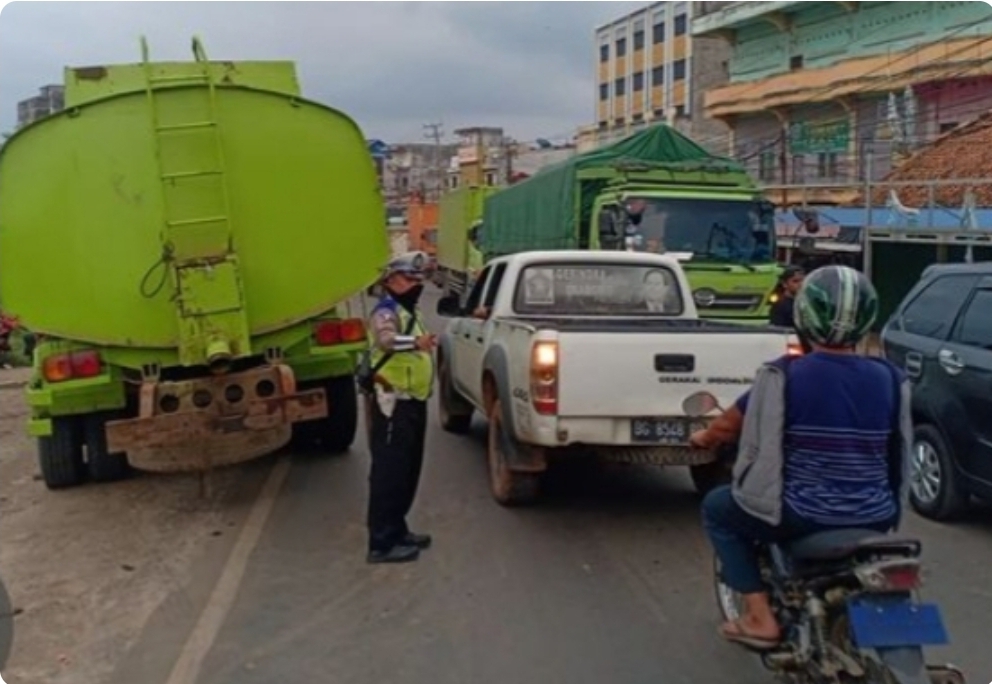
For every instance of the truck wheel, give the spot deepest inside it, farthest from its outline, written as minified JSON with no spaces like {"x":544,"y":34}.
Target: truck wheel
{"x":455,"y":413}
{"x":341,"y":425}
{"x":102,"y":466}
{"x":509,"y":488}
{"x":61,"y":455}
{"x":709,"y":476}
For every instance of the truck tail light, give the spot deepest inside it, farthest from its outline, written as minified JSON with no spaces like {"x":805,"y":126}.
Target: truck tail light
{"x":544,"y":378}
{"x":350,"y":330}
{"x":72,"y":366}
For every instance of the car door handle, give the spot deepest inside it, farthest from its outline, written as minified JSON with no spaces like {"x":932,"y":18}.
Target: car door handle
{"x":950,"y":361}
{"x":913,"y":364}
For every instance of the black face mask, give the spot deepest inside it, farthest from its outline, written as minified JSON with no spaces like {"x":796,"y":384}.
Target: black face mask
{"x":408,"y":300}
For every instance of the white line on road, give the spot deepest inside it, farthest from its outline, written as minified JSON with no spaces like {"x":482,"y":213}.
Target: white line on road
{"x":187,"y":667}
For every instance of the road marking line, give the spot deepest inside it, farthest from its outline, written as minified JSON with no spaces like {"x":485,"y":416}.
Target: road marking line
{"x":201,"y":639}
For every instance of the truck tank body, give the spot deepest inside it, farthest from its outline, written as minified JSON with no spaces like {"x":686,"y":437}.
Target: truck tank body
{"x":82,"y":210}
{"x":185,"y":236}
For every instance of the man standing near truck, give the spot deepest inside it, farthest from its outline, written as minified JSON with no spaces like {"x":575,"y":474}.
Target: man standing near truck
{"x":403,"y":376}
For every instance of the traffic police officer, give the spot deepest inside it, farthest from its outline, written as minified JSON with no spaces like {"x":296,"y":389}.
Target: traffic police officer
{"x":398,"y":409}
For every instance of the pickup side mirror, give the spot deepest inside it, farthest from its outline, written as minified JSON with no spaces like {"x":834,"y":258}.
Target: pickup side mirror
{"x":449,"y":307}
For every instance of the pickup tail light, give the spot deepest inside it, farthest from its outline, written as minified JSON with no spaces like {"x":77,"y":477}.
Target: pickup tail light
{"x":347,"y":331}
{"x":72,"y":366}
{"x":891,"y":576}
{"x":544,"y":377}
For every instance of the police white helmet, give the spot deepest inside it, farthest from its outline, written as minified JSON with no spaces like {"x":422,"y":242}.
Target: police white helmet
{"x":412,"y":264}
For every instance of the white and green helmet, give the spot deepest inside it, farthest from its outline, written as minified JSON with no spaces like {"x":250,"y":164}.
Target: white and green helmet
{"x":836,"y":306}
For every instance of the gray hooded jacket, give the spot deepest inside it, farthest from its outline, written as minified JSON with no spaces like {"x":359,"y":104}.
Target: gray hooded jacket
{"x":758,"y":473}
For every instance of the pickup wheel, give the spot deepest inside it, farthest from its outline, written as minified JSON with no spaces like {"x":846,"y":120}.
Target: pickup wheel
{"x":935,"y":488}
{"x":509,"y":488}
{"x":61,"y":454}
{"x":454,"y":412}
{"x":102,"y":465}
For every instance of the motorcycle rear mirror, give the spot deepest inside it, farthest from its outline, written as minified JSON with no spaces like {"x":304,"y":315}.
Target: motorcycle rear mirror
{"x":699,"y":404}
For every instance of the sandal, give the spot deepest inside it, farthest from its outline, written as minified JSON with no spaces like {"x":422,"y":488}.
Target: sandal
{"x":735,"y":632}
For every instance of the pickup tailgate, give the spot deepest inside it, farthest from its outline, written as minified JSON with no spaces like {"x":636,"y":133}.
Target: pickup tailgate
{"x":637,"y":374}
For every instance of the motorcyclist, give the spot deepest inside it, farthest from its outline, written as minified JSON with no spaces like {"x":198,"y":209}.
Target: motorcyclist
{"x":822,"y":442}
{"x":788,"y":285}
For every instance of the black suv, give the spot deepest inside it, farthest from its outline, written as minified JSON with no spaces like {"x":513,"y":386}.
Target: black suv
{"x":941,"y":336}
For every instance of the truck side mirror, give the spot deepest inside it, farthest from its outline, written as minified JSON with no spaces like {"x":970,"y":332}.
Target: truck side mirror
{"x":449,"y":307}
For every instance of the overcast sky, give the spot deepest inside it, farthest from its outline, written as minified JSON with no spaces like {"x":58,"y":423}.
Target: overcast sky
{"x":525,"y":66}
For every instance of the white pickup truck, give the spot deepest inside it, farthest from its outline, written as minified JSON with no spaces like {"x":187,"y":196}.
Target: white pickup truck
{"x":595,"y":350}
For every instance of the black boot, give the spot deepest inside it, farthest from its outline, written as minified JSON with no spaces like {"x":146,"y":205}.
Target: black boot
{"x":401,"y":553}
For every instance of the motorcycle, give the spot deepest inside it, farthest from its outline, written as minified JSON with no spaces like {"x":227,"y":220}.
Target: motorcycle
{"x":847,"y":603}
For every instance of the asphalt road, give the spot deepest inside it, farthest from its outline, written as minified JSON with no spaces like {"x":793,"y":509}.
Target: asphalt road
{"x":607,"y":582}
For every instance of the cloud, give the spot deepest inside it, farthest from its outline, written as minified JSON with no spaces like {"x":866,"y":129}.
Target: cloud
{"x":525,"y":66}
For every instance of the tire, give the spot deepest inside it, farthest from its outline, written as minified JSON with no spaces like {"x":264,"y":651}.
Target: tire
{"x":60,"y":455}
{"x":708,"y":476}
{"x":509,"y":488}
{"x":936,"y":490}
{"x":335,"y":433}
{"x":102,"y":465}
{"x":451,"y":406}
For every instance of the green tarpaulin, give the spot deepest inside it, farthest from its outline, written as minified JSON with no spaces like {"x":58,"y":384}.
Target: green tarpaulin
{"x":540,"y":212}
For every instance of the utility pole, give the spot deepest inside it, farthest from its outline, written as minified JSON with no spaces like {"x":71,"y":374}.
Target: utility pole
{"x":507,"y":151}
{"x":433,"y":131}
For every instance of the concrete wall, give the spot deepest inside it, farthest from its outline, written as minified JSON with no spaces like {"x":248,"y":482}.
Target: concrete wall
{"x":824,"y":33}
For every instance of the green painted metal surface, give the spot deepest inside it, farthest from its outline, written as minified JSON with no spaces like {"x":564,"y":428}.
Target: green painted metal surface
{"x":208,"y":205}
{"x":458,"y":211}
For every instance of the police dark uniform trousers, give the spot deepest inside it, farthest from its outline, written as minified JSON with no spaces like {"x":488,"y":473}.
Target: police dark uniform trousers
{"x":398,"y":410}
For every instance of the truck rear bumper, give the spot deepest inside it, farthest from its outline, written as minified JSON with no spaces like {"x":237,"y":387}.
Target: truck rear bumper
{"x":247,"y":415}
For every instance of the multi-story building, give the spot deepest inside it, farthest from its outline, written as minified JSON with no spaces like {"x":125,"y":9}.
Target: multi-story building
{"x":415,"y":168}
{"x":837,"y":93}
{"x":483,"y":157}
{"x":650,"y":70}
{"x":51,"y":99}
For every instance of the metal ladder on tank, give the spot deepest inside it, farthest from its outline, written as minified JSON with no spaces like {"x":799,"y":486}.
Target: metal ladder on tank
{"x":193,"y":241}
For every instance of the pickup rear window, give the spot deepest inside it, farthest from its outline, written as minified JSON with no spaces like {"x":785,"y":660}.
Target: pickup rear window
{"x":594,"y":289}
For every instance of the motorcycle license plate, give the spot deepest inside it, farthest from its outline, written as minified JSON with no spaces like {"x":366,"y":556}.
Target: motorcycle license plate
{"x":892,"y":622}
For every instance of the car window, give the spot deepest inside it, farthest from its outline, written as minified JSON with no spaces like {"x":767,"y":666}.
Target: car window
{"x":475,"y":296}
{"x":933,"y":311}
{"x":975,"y":329}
{"x":494,"y":284}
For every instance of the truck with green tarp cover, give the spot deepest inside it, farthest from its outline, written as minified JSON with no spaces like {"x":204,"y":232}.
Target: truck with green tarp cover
{"x":185,"y":238}
{"x":655,"y":191}
{"x":459,"y":227}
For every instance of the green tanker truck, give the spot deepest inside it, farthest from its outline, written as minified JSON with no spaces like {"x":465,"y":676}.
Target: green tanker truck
{"x":184,"y":238}
{"x":459,"y":228}
{"x":658,"y":191}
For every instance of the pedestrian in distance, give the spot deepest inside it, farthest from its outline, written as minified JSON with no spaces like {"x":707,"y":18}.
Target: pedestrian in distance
{"x":396,"y":378}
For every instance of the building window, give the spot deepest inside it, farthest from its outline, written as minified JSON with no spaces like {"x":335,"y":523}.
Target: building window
{"x":638,"y":81}
{"x":604,"y":53}
{"x":603,"y":125}
{"x":490,"y":178}
{"x":659,"y":113}
{"x":658,"y":76}
{"x":618,"y":122}
{"x":679,"y":26}
{"x":639,"y":40}
{"x":766,"y":167}
{"x":604,"y":91}
{"x":638,"y":118}
{"x":658,"y":33}
{"x":947,"y":127}
{"x":453,"y":182}
{"x":620,"y":87}
{"x":621,"y":47}
{"x":826,"y":165}
{"x":796,"y":62}
{"x":679,"y":111}
{"x":678,"y":69}
{"x":798,"y":168}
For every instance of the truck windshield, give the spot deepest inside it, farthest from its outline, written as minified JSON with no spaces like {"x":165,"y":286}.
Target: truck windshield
{"x":732,"y":231}
{"x":597,"y":289}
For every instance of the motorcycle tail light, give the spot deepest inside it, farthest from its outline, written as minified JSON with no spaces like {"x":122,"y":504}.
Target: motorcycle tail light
{"x":890,"y":576}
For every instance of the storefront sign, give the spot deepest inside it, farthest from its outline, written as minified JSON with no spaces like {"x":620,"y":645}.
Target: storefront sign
{"x":821,"y":136}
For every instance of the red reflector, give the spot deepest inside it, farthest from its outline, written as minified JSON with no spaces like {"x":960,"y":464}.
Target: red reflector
{"x":327,"y":332}
{"x":353,"y":330}
{"x":903,"y":577}
{"x":85,"y":364}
